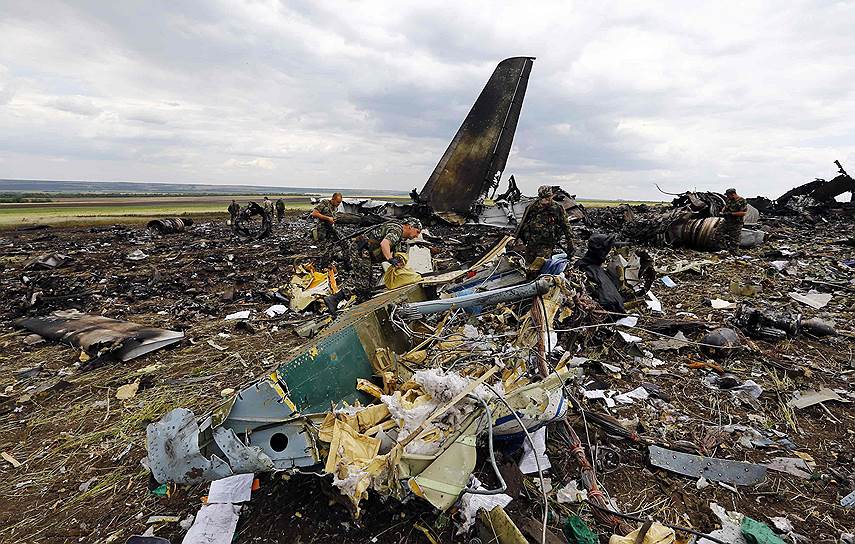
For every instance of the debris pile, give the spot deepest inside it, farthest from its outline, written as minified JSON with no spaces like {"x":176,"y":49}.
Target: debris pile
{"x":212,"y":382}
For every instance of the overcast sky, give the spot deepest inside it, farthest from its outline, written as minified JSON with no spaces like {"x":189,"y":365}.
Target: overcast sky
{"x":757,"y":95}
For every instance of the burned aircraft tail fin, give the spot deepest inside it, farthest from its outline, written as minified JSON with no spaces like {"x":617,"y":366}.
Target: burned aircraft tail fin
{"x":480,"y":148}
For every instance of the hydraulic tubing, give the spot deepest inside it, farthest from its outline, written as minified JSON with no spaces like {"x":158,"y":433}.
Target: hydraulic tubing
{"x":416,"y":310}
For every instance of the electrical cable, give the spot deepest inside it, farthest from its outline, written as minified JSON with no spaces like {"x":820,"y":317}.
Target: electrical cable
{"x":536,"y":459}
{"x":489,"y":415}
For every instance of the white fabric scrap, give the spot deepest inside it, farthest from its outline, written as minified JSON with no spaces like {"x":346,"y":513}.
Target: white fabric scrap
{"x":528,"y":463}
{"x":214,"y":524}
{"x":571,"y":493}
{"x":234,"y":489}
{"x":470,"y":505}
{"x":813,"y":299}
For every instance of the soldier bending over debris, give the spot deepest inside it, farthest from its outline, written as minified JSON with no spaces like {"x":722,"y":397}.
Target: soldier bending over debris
{"x":377,"y":245}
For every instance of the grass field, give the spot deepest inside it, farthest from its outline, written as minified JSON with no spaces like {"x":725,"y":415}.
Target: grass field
{"x":99,"y":210}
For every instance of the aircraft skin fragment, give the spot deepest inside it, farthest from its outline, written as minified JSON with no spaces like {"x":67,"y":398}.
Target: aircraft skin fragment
{"x":480,"y":148}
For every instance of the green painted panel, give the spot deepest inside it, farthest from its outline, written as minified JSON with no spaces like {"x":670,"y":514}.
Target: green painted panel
{"x":315,"y":380}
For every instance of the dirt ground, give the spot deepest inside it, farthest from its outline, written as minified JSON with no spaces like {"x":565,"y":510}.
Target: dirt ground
{"x":80,"y":448}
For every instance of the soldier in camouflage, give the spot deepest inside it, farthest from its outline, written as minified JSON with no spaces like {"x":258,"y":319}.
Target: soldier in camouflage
{"x":375,"y":246}
{"x":542,"y":226}
{"x":326,"y":212}
{"x":734,"y":212}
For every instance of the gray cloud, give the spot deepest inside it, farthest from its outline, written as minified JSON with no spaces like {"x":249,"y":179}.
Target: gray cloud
{"x":622,"y":96}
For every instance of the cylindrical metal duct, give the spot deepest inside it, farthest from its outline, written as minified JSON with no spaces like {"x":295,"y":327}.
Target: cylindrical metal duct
{"x":697,"y":233}
{"x":169,"y":225}
{"x":513,"y":293}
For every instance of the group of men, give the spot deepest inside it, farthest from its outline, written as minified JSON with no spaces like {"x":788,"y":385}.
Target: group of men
{"x":362,"y":251}
{"x":541,"y":229}
{"x":267,"y":205}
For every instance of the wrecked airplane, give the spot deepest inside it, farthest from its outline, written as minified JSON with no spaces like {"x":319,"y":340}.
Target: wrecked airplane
{"x":817,"y":194}
{"x":456,"y":191}
{"x":381,"y":406}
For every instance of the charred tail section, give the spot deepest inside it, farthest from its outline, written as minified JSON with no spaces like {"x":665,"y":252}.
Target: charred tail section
{"x":479,"y":150}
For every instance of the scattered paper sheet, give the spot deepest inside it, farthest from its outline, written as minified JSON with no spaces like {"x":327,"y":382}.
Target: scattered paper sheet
{"x":720,"y":304}
{"x":653,"y":302}
{"x":239,"y":315}
{"x":814,"y":300}
{"x":628,"y":321}
{"x":234,"y":489}
{"x":639,"y":393}
{"x":528,"y":463}
{"x":214,"y":524}
{"x":628,"y":338}
{"x":276,"y":309}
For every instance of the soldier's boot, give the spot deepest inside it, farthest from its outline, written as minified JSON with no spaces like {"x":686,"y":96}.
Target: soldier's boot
{"x":332,"y":301}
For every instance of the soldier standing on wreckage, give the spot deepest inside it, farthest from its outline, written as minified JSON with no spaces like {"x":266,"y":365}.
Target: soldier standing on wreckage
{"x":376,"y":245}
{"x":268,"y":208}
{"x":734,"y":215}
{"x":326,"y":212}
{"x":280,"y":210}
{"x":234,"y":209}
{"x":541,"y":228}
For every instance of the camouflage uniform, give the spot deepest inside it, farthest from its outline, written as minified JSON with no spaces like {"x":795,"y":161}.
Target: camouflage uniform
{"x":234,"y":209}
{"x":323,"y":231}
{"x":267,"y":205}
{"x":732,"y":228}
{"x":280,"y":210}
{"x":366,"y":251}
{"x":545,"y":222}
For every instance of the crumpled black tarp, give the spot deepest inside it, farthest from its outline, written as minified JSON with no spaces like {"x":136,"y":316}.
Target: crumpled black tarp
{"x":605,"y":285}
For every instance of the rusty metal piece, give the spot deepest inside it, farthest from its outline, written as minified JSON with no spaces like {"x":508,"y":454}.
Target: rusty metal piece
{"x":479,"y":150}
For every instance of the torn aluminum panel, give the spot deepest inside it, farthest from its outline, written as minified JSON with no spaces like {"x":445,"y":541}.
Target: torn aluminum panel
{"x":47,"y":262}
{"x":173,"y":451}
{"x":97,"y":334}
{"x":270,"y":418}
{"x":443,"y":480}
{"x":711,"y":468}
{"x":479,"y":150}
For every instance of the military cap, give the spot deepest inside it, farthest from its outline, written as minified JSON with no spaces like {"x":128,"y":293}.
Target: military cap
{"x":729,"y":191}
{"x":544,"y":191}
{"x":413,"y":222}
